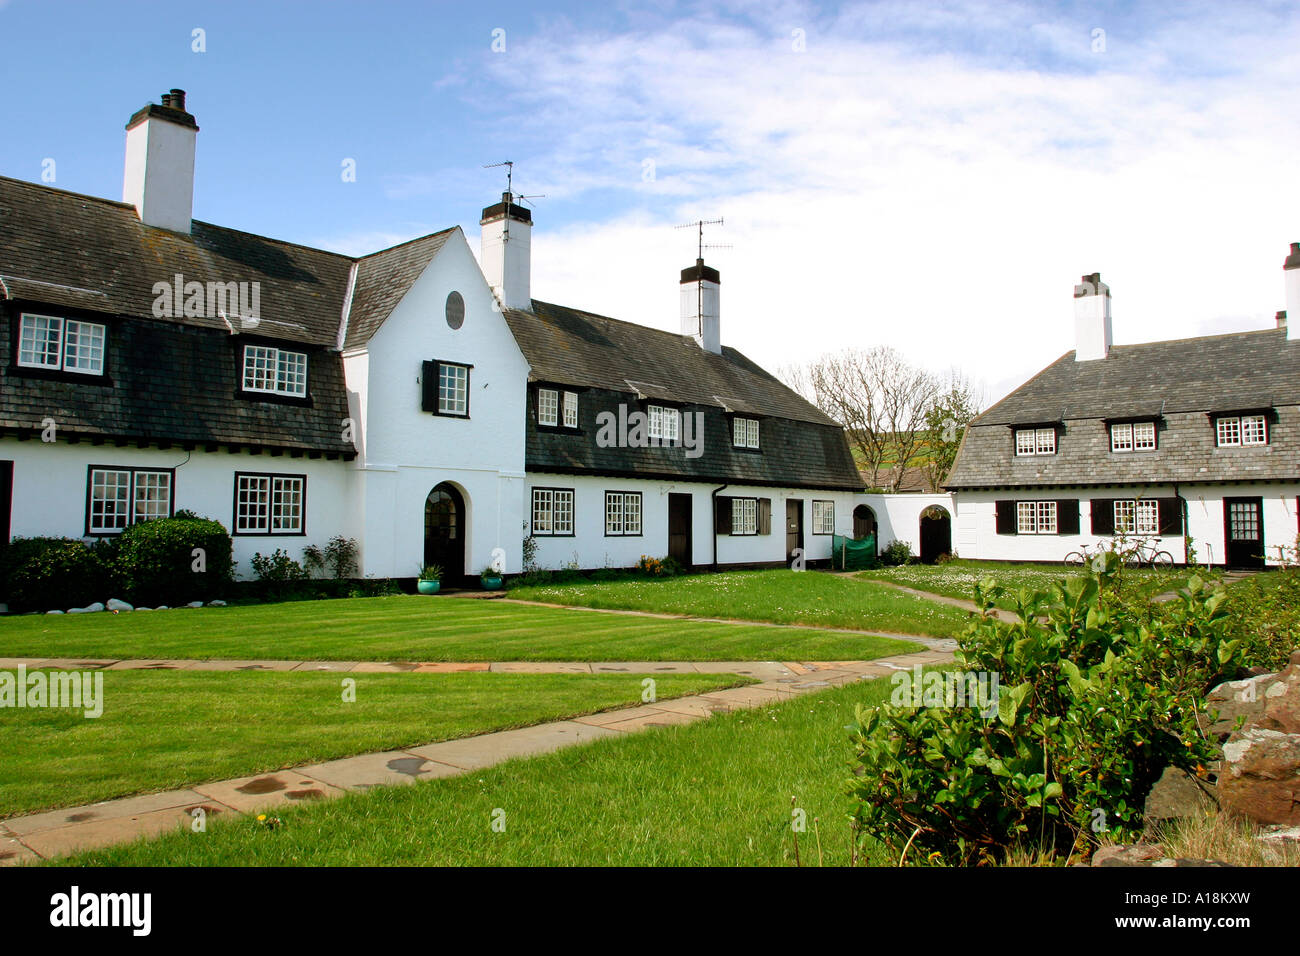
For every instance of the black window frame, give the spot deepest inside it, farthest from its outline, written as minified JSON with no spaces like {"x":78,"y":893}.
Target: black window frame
{"x":532,"y":510}
{"x":640,"y":513}
{"x":431,"y":387}
{"x":130,"y":497}
{"x":269,"y":532}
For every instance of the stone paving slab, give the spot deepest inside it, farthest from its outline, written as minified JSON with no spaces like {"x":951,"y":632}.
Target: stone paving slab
{"x":107,"y":810}
{"x":473,"y":753}
{"x":541,"y":667}
{"x":69,"y":663}
{"x":155,"y":665}
{"x":451,"y":667}
{"x":12,"y":852}
{"x":608,"y":717}
{"x":242,"y":666}
{"x":694,"y":706}
{"x":662,"y":718}
{"x":763,"y":670}
{"x":252,"y":794}
{"x":377,"y":770}
{"x":88,"y":836}
{"x":341,"y":666}
{"x":755,"y":696}
{"x":385,"y":667}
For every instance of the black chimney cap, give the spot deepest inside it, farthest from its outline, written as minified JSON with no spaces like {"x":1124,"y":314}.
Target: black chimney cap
{"x":701,"y":271}
{"x":172,"y":109}
{"x":506,"y":207}
{"x":1293,"y":260}
{"x":1091,"y":284}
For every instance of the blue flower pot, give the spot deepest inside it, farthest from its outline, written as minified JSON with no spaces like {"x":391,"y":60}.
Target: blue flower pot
{"x":428,"y":587}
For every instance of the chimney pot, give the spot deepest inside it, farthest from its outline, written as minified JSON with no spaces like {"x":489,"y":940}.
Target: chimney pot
{"x":177,"y":99}
{"x":1281,"y":319}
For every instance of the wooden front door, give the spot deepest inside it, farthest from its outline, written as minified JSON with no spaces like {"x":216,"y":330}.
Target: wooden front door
{"x":444,"y":532}
{"x":793,"y":526}
{"x":1243,"y":521}
{"x":679,"y":529}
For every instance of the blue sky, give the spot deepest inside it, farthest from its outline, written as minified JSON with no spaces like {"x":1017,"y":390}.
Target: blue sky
{"x":929,"y":176}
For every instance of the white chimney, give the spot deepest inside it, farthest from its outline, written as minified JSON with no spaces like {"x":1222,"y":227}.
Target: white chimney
{"x":701,"y":295}
{"x":506,"y":252}
{"x":1091,"y":319}
{"x":1291,"y":278}
{"x":159,"y":178}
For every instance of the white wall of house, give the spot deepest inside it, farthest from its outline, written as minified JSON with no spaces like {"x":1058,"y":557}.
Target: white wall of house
{"x":406,"y":451}
{"x":975,"y":529}
{"x":50,"y":490}
{"x":898,"y":517}
{"x":590,"y":547}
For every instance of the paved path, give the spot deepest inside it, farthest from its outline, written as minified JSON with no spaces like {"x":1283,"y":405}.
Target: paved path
{"x":965,"y":605}
{"x":68,"y":830}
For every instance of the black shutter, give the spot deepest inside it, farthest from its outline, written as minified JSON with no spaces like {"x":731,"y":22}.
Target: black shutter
{"x":1103,"y":515}
{"x":1171,"y":515}
{"x":429,"y":387}
{"x":722,"y":515}
{"x":764,"y":515}
{"x":1067,"y":516}
{"x":1006,"y":517}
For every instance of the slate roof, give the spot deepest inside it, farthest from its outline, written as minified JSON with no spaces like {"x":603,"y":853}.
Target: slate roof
{"x":614,"y":363}
{"x":1179,"y":382}
{"x":174,"y":378}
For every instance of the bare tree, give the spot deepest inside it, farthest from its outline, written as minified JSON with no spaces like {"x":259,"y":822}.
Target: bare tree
{"x":946,"y":419}
{"x":880,"y":399}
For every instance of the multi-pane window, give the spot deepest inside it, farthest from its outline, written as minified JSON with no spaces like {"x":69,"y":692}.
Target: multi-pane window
{"x":273,"y":370}
{"x":622,"y":513}
{"x":269,"y":504}
{"x":1134,"y":436}
{"x":46,"y":341}
{"x":823,"y":517}
{"x":570,"y":409}
{"x":453,"y":389}
{"x":552,"y":511}
{"x":1241,"y":430}
{"x":744,"y":516}
{"x":548,"y":406}
{"x":664,"y":422}
{"x":744,"y":432}
{"x":1036,"y":517}
{"x":1035,"y":441}
{"x":119,"y":497}
{"x":1137,"y":516}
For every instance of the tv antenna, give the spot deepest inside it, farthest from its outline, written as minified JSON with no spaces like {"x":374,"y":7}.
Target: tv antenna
{"x":509,"y":195}
{"x":698,"y":225}
{"x":510,"y":175}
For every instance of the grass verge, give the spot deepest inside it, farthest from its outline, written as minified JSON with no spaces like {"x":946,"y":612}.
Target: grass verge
{"x":162,"y":730}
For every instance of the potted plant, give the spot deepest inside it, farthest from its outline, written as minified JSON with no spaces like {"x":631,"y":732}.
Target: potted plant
{"x":491,"y":578}
{"x":430,"y":579}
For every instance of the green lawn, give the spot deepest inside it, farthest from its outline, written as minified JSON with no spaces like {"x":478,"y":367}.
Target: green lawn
{"x":780,"y":596}
{"x":162,"y":730}
{"x":713,"y":793}
{"x":957,"y":578}
{"x":411,"y":627}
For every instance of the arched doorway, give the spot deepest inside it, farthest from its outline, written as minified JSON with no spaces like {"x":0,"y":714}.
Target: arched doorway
{"x":936,"y":533}
{"x":864,"y":522}
{"x":444,"y":532}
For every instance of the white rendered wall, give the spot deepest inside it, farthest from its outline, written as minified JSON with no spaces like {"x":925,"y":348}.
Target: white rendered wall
{"x":507,"y":262}
{"x":591,"y":548}
{"x":408,"y":451}
{"x":701,"y":313}
{"x":50,"y":488}
{"x":898,"y":517}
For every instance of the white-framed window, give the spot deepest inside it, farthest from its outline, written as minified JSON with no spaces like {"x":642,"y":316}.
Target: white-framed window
{"x":453,"y":389}
{"x":664,"y":422}
{"x":70,"y":345}
{"x":553,"y":511}
{"x":1035,"y":441}
{"x":1233,"y":430}
{"x":269,"y":504}
{"x":744,"y":516}
{"x":1036,"y":517}
{"x":823,"y":517}
{"x":570,"y":409}
{"x":622,"y":513}
{"x":548,"y":406}
{"x":1137,"y":516}
{"x":275,"y":371}
{"x":744,"y":432}
{"x":118,"y":497}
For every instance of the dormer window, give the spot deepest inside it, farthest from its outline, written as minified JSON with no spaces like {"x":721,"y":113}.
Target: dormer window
{"x":275,"y":371}
{"x":1133,"y":436}
{"x":1035,"y":441}
{"x":554,"y":406}
{"x":69,"y":345}
{"x":744,"y":432}
{"x":1231,"y":431}
{"x":570,"y":409}
{"x":664,"y":422}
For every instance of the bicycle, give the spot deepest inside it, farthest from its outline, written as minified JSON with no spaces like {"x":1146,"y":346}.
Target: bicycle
{"x":1134,"y":553}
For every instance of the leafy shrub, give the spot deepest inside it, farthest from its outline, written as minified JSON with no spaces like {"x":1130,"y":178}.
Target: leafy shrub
{"x":1266,"y":617}
{"x":896,"y":552}
{"x":338,"y":558}
{"x":658,"y":567}
{"x":158,"y":564}
{"x":278,"y":575}
{"x":1095,"y":699}
{"x":43,"y":574}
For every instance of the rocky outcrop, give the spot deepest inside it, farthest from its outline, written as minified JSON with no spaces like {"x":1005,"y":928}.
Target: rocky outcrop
{"x":1144,"y":854}
{"x":1260,"y":773}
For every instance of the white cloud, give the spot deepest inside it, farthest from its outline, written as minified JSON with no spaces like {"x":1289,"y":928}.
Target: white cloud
{"x":884,"y":186}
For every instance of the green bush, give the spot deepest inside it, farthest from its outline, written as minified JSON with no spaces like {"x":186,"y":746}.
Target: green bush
{"x":896,"y":553}
{"x":338,"y":558}
{"x":45,"y":574}
{"x":175,"y":560}
{"x":1096,"y":697}
{"x":1266,"y":617}
{"x":278,"y":575}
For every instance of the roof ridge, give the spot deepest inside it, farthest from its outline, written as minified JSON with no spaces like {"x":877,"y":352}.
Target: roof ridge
{"x":1198,"y":338}
{"x":66,"y":192}
{"x":407,"y":242}
{"x":608,"y":318}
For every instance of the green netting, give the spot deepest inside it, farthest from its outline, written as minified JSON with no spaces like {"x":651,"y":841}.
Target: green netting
{"x":853,"y":554}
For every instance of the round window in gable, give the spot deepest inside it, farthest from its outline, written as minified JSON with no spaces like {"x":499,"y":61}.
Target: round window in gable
{"x":455,"y":310}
